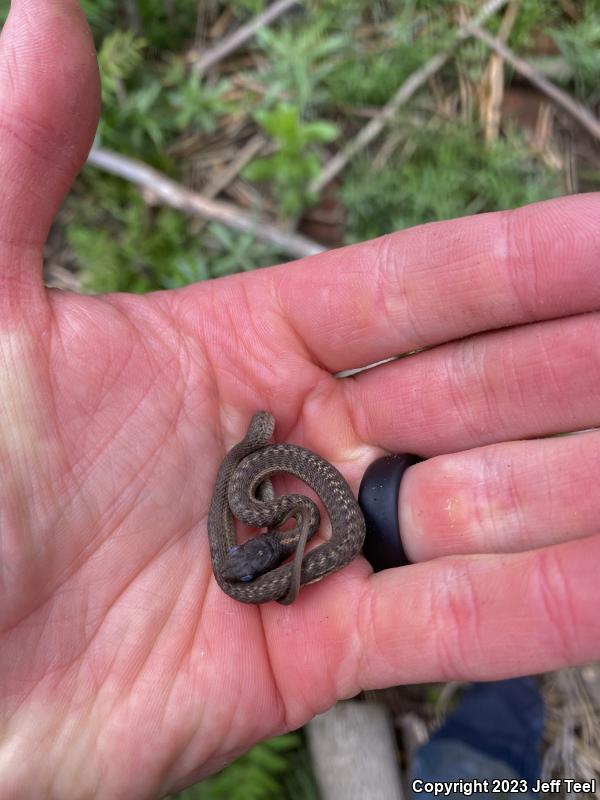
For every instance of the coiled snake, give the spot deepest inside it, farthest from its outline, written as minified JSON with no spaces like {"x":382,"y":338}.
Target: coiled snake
{"x":253,"y":572}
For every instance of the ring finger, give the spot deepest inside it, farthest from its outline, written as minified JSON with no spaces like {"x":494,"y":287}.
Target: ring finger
{"x":508,"y":497}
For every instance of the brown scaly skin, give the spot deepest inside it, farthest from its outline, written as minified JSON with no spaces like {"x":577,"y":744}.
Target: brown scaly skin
{"x":247,"y":466}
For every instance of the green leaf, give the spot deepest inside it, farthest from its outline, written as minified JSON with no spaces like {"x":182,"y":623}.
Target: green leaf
{"x":119,"y":56}
{"x":321,"y":131}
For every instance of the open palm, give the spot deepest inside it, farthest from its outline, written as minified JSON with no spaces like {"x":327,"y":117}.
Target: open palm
{"x":117,"y":648}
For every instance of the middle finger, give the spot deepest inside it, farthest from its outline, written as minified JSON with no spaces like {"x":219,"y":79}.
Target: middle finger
{"x":531,"y":381}
{"x":509,"y":497}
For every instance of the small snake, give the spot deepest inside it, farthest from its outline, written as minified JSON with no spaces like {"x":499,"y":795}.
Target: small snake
{"x":253,"y":572}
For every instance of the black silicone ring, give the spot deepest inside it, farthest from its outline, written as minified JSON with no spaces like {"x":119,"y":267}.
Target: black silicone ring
{"x":378,"y":499}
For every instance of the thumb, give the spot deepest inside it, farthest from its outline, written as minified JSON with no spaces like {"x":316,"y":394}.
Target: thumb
{"x":49,"y":107}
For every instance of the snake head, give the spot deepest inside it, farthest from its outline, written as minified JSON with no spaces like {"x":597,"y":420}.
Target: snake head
{"x":244,"y":562}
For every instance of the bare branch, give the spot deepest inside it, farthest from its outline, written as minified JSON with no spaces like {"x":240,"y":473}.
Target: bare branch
{"x":175,"y":195}
{"x":227,"y":175}
{"x":411,"y":85}
{"x":579,"y":112}
{"x":241,"y":36}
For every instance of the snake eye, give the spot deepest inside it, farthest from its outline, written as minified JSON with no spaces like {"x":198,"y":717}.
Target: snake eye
{"x":247,"y":578}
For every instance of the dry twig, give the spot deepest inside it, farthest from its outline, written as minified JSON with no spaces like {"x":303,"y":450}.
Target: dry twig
{"x":492,"y":85}
{"x":241,"y":36}
{"x":173,"y":194}
{"x":411,"y":85}
{"x":229,"y":173}
{"x":579,"y":112}
{"x":573,"y":724}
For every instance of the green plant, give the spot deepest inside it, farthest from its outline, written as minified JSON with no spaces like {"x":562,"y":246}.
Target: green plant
{"x":123,"y":245}
{"x":259,"y":775}
{"x":119,"y":57}
{"x":531,"y":19}
{"x":298,"y":60}
{"x":101,"y":15}
{"x":192,"y":102}
{"x":225,"y":252}
{"x":579,"y":45}
{"x":144,"y":109}
{"x":125,"y":109}
{"x":294,"y":164}
{"x":248,"y":7}
{"x":450,"y":173}
{"x":372,"y":78}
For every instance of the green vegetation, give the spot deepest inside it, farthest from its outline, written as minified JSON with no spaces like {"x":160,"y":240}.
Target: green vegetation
{"x":125,"y":246}
{"x":145,"y":109}
{"x":450,"y":173}
{"x":274,"y":770}
{"x":308,"y":83}
{"x":295,"y":163}
{"x":579,"y":45}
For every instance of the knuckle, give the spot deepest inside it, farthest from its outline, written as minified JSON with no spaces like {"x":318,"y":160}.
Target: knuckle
{"x":556,"y":603}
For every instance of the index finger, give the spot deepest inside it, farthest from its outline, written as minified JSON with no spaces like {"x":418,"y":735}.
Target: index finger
{"x":445,"y":280}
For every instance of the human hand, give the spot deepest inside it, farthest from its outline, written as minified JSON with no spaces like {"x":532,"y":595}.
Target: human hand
{"x":125,"y":672}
